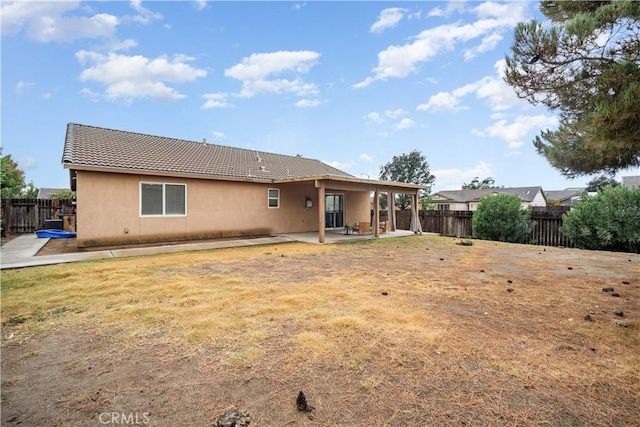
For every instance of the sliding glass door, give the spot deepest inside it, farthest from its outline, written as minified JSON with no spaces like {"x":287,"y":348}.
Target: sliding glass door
{"x":334,"y":211}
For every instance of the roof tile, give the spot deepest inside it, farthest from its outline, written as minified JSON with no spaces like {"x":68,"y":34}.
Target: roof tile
{"x":110,"y":148}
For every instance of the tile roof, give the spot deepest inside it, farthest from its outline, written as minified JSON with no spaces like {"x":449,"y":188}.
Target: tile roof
{"x":92,"y":146}
{"x":566,"y":194}
{"x":526,"y":194}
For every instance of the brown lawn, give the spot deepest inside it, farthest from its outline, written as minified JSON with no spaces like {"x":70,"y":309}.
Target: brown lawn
{"x":175,"y":339}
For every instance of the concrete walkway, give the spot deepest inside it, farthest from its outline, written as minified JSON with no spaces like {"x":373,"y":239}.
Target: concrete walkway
{"x":21,"y":251}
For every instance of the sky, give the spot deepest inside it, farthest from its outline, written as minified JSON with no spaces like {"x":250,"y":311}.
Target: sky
{"x":350,"y":83}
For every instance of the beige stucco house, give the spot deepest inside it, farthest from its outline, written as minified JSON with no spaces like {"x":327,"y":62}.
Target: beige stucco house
{"x":137,"y":188}
{"x":468,"y":200}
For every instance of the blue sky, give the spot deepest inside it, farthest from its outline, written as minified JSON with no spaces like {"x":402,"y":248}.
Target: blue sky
{"x":348,"y":83}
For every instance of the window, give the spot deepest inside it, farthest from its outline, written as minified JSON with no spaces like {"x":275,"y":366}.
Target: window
{"x":273,"y":198}
{"x":163,"y":199}
{"x":443,"y":206}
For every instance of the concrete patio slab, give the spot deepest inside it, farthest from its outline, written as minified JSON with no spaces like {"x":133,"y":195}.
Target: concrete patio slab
{"x":21,"y":251}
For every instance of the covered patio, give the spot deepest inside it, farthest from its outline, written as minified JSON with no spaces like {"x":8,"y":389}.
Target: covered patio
{"x":329,"y":184}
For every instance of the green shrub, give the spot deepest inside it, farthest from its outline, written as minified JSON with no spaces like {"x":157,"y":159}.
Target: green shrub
{"x":501,"y":217}
{"x":607,"y":221}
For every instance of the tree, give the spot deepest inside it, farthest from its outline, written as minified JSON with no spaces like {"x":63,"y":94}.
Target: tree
{"x":409,"y":168}
{"x":65,"y":194}
{"x":31,"y":192}
{"x":11,"y":178}
{"x":584,"y":65}
{"x":476,"y":184}
{"x":609,"y":220}
{"x":600,"y":182}
{"x":501,"y":217}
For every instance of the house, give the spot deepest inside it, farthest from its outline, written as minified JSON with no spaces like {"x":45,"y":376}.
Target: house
{"x":563,"y":197}
{"x":137,"y":188}
{"x":631,"y":181}
{"x":468,"y":200}
{"x":46,"y":193}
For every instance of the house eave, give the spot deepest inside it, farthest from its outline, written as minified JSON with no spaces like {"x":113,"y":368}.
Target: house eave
{"x":108,"y":169}
{"x":358,"y":183}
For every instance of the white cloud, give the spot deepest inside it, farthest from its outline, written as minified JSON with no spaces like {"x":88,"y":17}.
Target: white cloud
{"x":307,"y":103}
{"x":340,"y":165}
{"x":218,"y":136}
{"x":200,"y":4}
{"x":22,"y":85}
{"x":388,"y":18}
{"x":442,"y":101}
{"x":216,"y":100}
{"x":298,"y":6}
{"x":395,"y":114}
{"x":254,"y":73}
{"x":454,"y":178}
{"x":405,"y":124}
{"x":401,"y":61}
{"x":88,"y":93}
{"x":513,"y":133}
{"x":130,"y":77}
{"x":488,"y":43}
{"x":452,"y":6}
{"x":47,"y":22}
{"x":27,"y":163}
{"x":261,"y":65}
{"x":145,"y":16}
{"x":374,"y":117}
{"x":365,"y":157}
{"x":47,"y":95}
{"x":125,"y":45}
{"x":497,"y":94}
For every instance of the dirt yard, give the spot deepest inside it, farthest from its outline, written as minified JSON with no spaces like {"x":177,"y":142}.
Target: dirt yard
{"x":416,"y":331}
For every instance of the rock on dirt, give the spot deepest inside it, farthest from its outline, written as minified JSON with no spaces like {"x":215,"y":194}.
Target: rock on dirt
{"x":621,"y":323}
{"x":619,"y":313}
{"x":607,"y":289}
{"x":588,"y":317}
{"x":234,"y":417}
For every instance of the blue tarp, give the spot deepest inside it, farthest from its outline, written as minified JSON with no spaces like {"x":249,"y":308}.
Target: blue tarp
{"x":55,"y":234}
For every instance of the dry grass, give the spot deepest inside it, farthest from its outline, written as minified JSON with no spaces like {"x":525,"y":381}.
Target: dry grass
{"x":447,"y":344}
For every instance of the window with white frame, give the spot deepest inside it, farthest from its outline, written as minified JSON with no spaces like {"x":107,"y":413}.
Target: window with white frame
{"x":273,"y":198}
{"x":162,"y":199}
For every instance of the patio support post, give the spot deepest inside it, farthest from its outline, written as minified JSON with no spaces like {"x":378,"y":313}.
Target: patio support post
{"x":321,"y":214}
{"x":376,"y":212}
{"x":391,"y":210}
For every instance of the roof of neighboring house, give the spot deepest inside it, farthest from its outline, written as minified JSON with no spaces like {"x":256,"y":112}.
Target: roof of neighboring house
{"x":526,"y":194}
{"x":631,"y":181}
{"x":566,"y":194}
{"x":45,"y":193}
{"x":91,"y":146}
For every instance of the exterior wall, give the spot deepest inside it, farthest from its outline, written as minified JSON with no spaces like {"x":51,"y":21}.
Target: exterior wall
{"x":539,"y":200}
{"x":108,"y":206}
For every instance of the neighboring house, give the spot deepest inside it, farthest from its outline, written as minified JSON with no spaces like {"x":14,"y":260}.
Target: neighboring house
{"x":46,"y":193}
{"x":468,"y":200}
{"x":563,"y":197}
{"x":631,"y":181}
{"x":137,"y":188}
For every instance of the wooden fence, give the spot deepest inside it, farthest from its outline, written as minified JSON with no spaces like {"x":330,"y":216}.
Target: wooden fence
{"x":546,"y":230}
{"x":29,"y":215}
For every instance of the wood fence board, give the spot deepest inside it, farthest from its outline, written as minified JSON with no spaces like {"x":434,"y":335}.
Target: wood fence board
{"x":547,"y":225}
{"x":29,"y":215}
